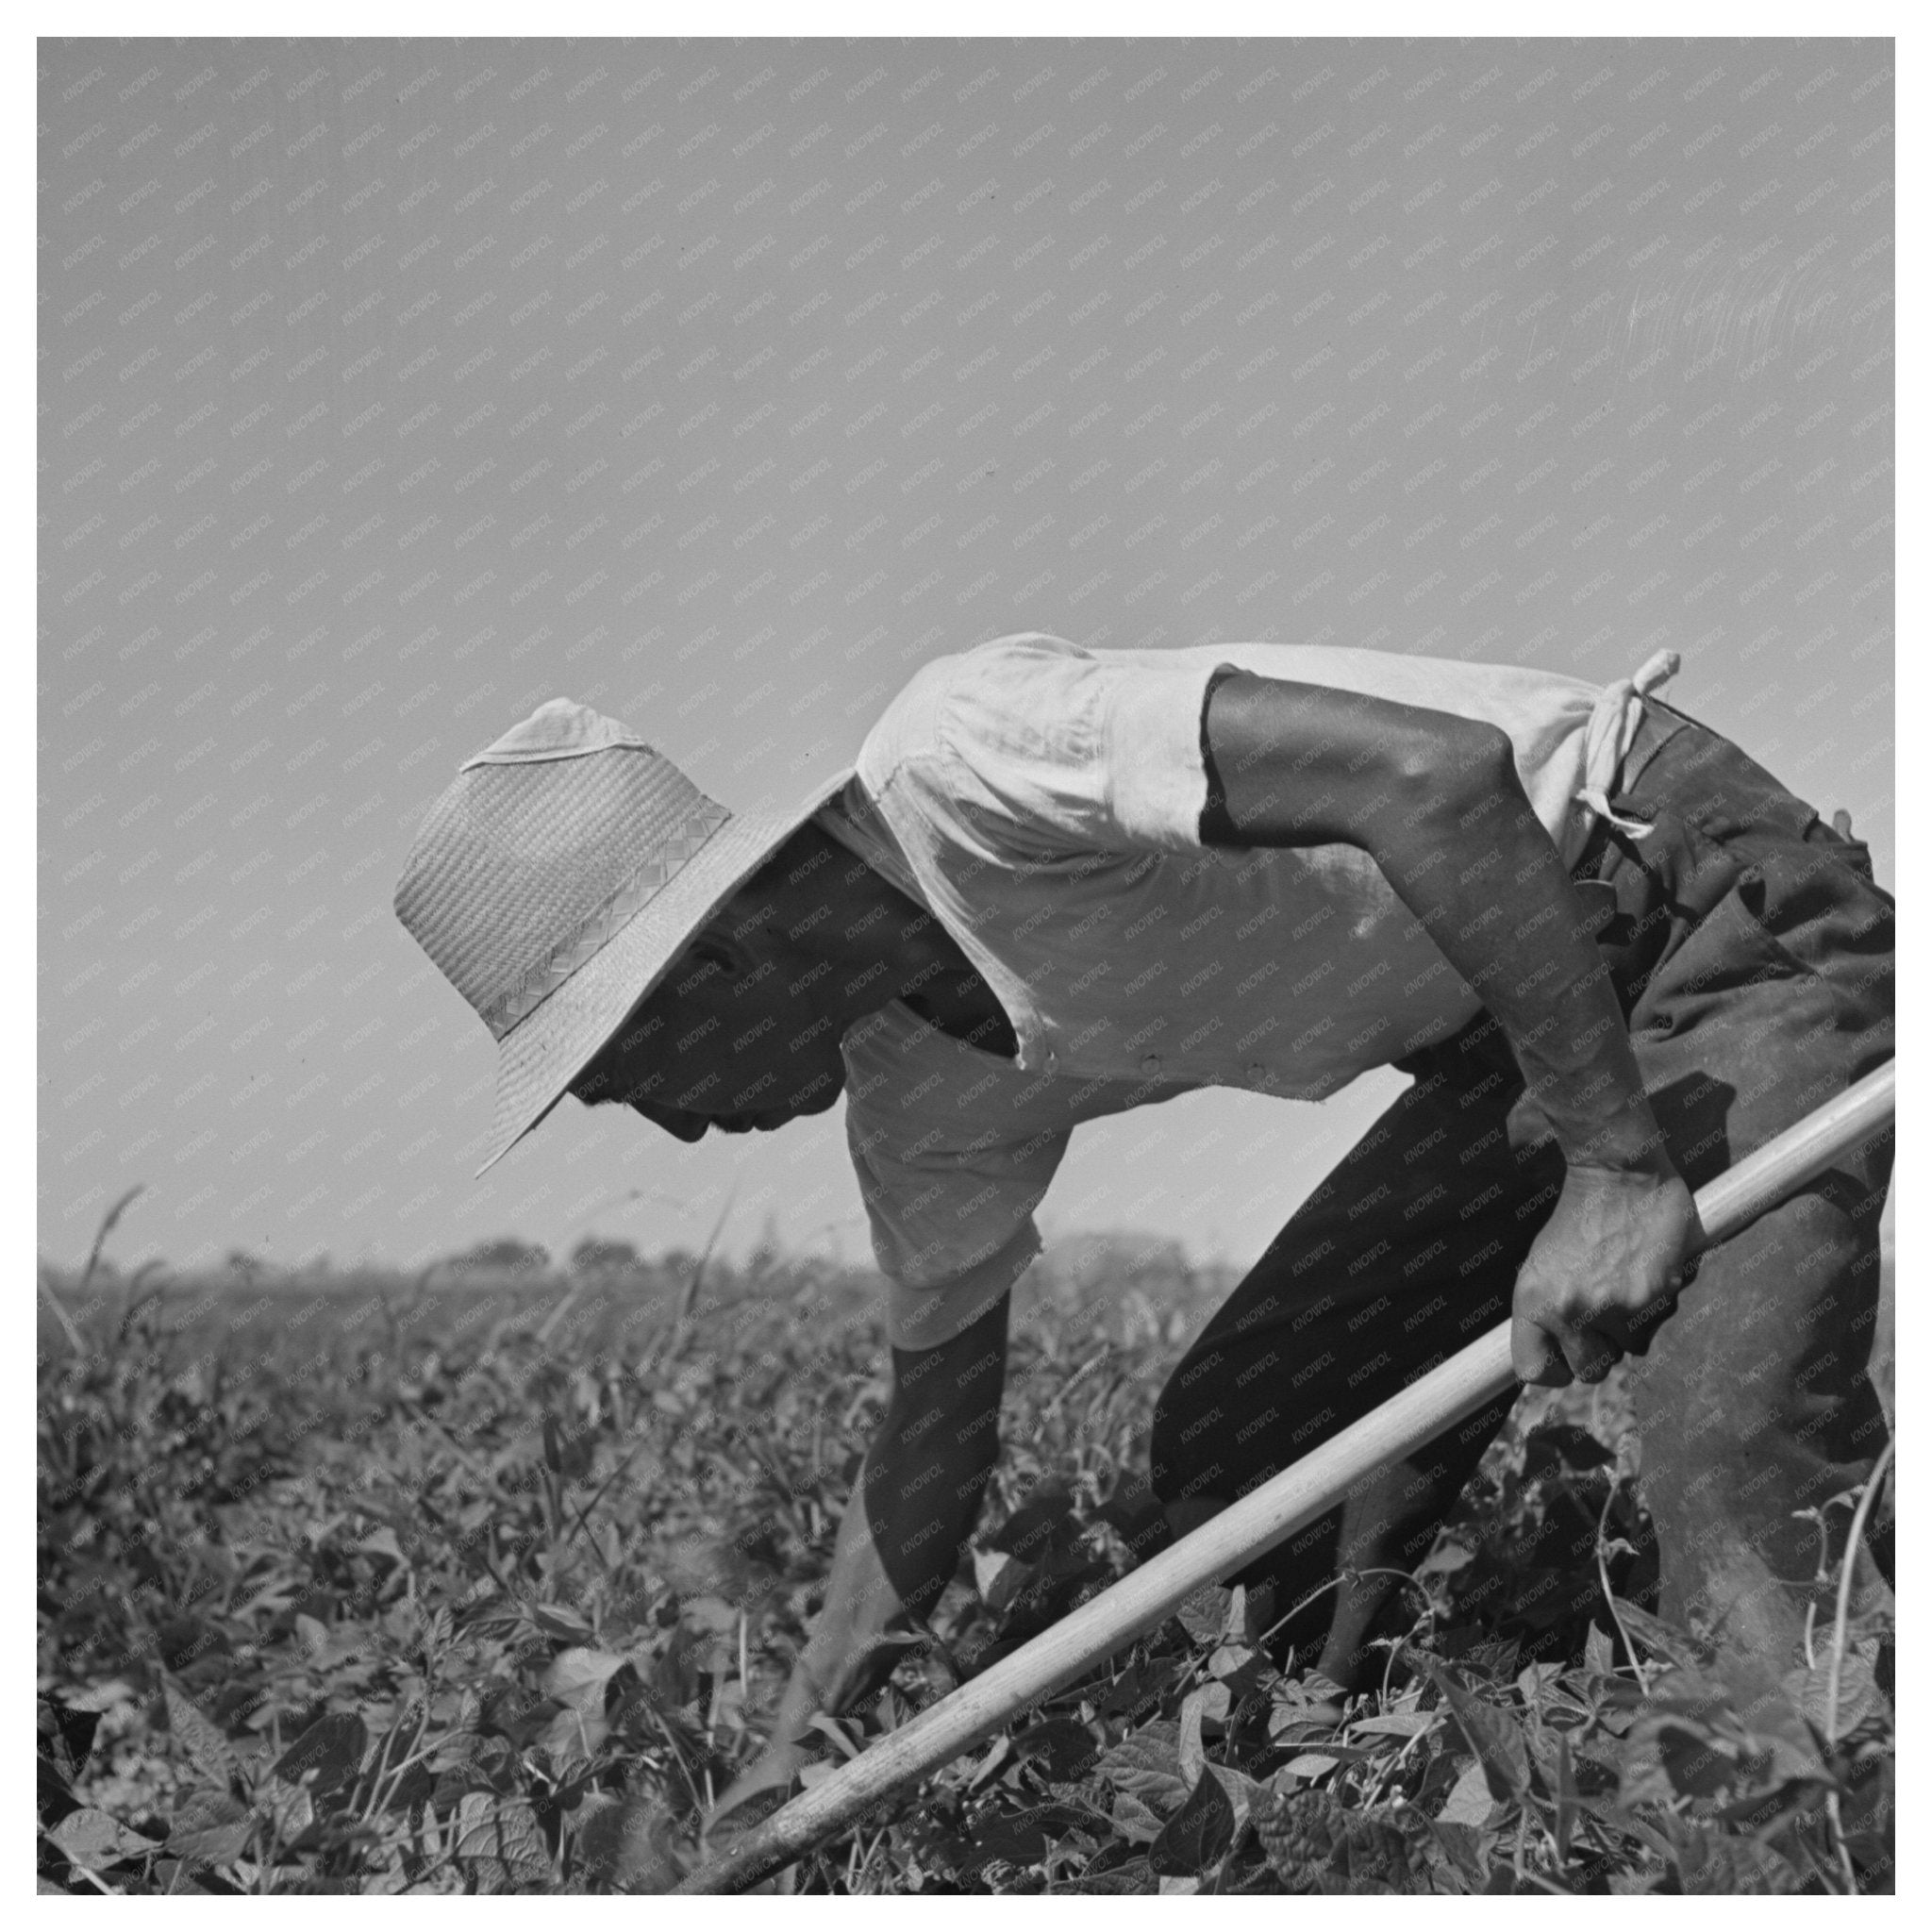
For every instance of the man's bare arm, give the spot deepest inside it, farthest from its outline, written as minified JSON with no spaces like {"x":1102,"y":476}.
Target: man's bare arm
{"x":1435,"y":800}
{"x":909,"y":1516}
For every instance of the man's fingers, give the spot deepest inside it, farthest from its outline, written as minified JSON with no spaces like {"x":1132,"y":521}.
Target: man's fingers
{"x":1534,"y":1354}
{"x":1591,"y":1352}
{"x":1613,"y":1325}
{"x":1552,"y":1360}
{"x":1639,"y":1330}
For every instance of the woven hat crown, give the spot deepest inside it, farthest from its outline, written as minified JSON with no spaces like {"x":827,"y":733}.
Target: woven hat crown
{"x":546,"y":844}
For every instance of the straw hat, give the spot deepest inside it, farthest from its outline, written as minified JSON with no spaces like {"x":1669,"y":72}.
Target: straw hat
{"x":556,"y":882}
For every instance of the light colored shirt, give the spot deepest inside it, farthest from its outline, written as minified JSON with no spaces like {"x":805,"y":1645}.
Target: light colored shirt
{"x":1043,"y":801}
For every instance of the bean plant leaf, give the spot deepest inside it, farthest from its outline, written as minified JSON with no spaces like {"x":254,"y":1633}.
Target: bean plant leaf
{"x":1133,"y":1693}
{"x":1135,"y":1877}
{"x":212,"y":1829}
{"x":1316,"y":1845}
{"x":332,"y":1748}
{"x":1859,"y":1696}
{"x":1463,"y":1843}
{"x":290,"y":1808}
{"x":1471,"y":1799}
{"x":578,"y":1676}
{"x":1243,"y":1670}
{"x":500,"y":1842}
{"x":1305,"y":1704}
{"x":1147,"y":1764}
{"x":559,"y":1621}
{"x":214,"y":1755}
{"x":53,"y":1796}
{"x":1704,"y":1732}
{"x":1060,"y":1749}
{"x":1668,"y":1753}
{"x":1195,"y":1836}
{"x":574,"y":1733}
{"x":1675,"y":1646}
{"x":94,"y":1840}
{"x":382,"y":1543}
{"x":1002,"y":1578}
{"x":1397,"y":1723}
{"x":1710,"y":1862}
{"x":1018,"y":1838}
{"x":567,"y":1451}
{"x":580,"y":1681}
{"x":1491,"y":1733}
{"x":1244,"y":1794}
{"x":1204,"y":1613}
{"x":1133,"y":1821}
{"x":1191,"y":1752}
{"x":1599,"y":1655}
{"x":68,"y":1735}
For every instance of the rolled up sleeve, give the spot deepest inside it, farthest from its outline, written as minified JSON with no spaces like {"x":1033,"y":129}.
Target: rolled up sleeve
{"x":951,"y":1225}
{"x":1070,"y":750}
{"x":949,"y":1199}
{"x":925,"y":1317}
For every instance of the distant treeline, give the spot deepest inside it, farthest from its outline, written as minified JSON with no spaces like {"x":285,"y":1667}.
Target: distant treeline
{"x":1129,"y":1284}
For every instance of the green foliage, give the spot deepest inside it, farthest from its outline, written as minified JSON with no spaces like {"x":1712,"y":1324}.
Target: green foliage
{"x":359,"y":1586}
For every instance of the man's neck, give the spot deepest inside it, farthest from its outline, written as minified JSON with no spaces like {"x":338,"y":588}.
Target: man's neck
{"x":886,"y":946}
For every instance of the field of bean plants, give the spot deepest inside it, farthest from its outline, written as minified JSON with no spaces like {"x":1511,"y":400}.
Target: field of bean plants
{"x":488,"y":1580}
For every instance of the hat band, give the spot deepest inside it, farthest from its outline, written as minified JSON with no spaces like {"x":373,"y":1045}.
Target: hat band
{"x":513,"y":1007}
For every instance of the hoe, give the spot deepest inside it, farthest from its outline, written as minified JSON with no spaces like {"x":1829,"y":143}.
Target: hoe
{"x":1466,"y":1382}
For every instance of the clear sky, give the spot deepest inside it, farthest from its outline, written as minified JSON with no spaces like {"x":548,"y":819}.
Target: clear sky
{"x":385,"y":390}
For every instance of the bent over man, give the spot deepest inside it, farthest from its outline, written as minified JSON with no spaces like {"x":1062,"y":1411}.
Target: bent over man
{"x":1614,"y":954}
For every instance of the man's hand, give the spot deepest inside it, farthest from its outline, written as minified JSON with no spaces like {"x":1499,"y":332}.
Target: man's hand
{"x":853,"y":1649}
{"x":1612,"y":1254}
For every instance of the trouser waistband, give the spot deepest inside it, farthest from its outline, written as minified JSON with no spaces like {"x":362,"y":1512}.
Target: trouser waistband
{"x":1655,"y":729}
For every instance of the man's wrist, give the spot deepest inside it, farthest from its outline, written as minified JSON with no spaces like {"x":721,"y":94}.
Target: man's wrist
{"x":1604,"y":1119}
{"x":1623,"y":1147}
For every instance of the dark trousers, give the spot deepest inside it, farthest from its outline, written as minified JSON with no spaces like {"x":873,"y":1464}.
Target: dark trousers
{"x":1751,"y":954}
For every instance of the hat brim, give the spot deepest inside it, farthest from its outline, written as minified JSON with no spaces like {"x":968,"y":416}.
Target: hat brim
{"x":543,"y":1054}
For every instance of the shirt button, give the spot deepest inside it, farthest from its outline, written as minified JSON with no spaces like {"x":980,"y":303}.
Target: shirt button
{"x":1151,"y":1064}
{"x":1256,"y":1071}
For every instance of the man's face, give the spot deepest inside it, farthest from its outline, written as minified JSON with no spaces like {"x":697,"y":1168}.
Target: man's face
{"x":742,"y":1040}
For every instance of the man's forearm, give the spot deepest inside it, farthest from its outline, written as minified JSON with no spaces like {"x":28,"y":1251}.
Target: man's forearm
{"x":1490,"y":888}
{"x":910,"y":1515}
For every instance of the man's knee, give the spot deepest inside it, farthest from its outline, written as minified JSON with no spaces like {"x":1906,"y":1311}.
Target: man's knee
{"x":1777,"y":1318}
{"x":1186,"y":1514}
{"x":1178,"y":1481}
